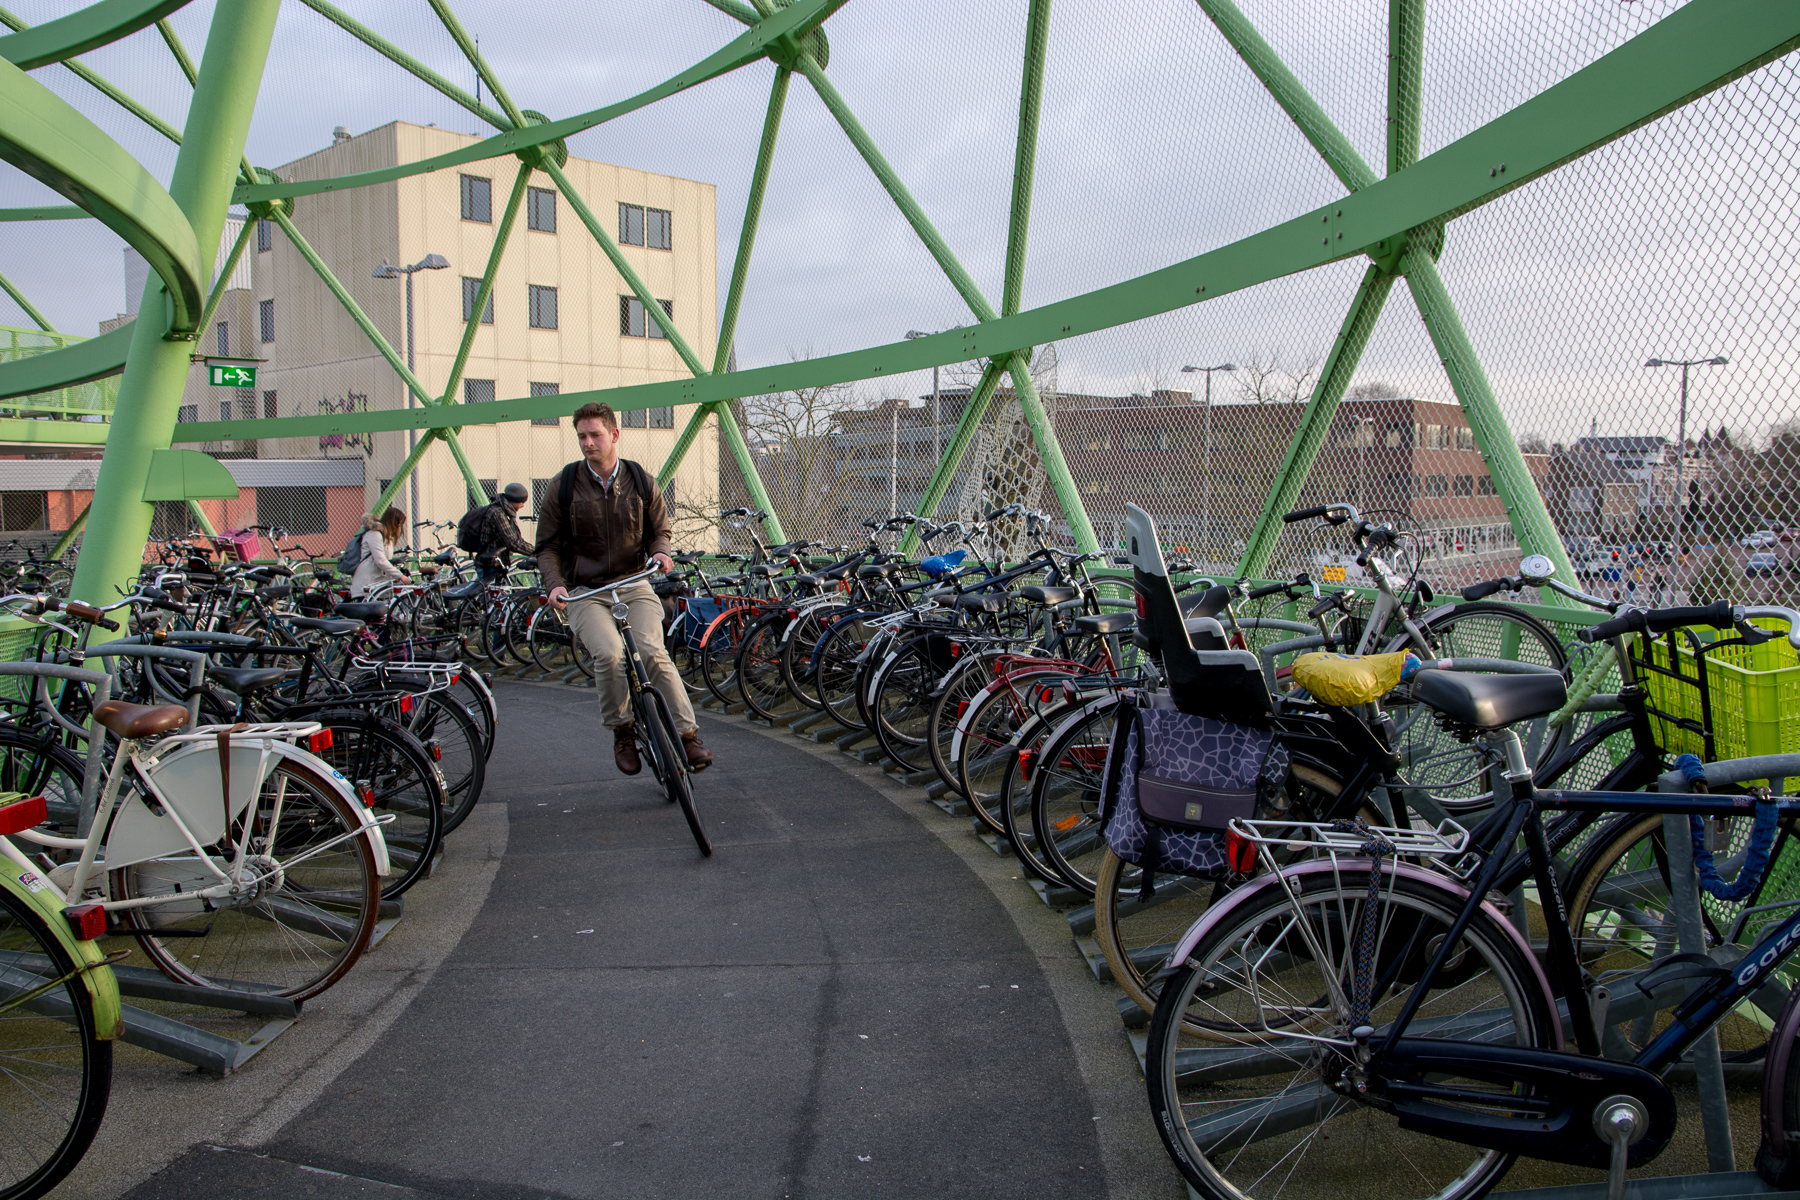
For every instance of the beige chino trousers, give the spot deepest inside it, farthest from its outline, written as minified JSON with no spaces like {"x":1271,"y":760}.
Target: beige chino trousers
{"x":592,"y":620}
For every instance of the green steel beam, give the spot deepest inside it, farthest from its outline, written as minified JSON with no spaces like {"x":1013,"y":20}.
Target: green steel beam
{"x":1505,"y":464}
{"x":407,"y":467}
{"x":896,"y":190}
{"x":80,"y":362}
{"x":1303,"y":450}
{"x":182,"y":58}
{"x":30,"y":308}
{"x":35,"y":431}
{"x":611,"y":250}
{"x":1688,"y":54}
{"x":405,"y":61}
{"x":740,"y":273}
{"x":740,"y":450}
{"x":71,"y":533}
{"x":201,"y":519}
{"x":45,"y":137}
{"x":477,"y":494}
{"x":344,"y":298}
{"x":45,"y":212}
{"x":966,"y":428}
{"x":748,"y":48}
{"x":100,"y":84}
{"x":237,"y":47}
{"x":501,"y":236}
{"x":86,"y":29}
{"x":1318,"y":128}
{"x":1406,"y":72}
{"x":223,"y":278}
{"x":515,"y":118}
{"x":1031,"y":98}
{"x":1050,"y":450}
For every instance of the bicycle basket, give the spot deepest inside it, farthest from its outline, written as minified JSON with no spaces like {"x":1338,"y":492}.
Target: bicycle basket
{"x":1723,"y":700}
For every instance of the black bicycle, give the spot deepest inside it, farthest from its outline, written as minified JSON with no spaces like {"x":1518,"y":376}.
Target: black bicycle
{"x":650,"y":710}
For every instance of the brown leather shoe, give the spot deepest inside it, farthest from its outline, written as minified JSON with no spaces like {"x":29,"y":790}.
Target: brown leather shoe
{"x":698,"y":757}
{"x":625,"y":750}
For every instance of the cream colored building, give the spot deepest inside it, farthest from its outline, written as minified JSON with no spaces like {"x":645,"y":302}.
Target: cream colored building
{"x":562,"y":319}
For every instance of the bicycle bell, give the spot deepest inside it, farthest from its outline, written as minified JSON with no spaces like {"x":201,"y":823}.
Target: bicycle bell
{"x":1534,"y":569}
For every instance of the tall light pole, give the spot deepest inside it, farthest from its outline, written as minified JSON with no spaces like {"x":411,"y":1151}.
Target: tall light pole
{"x":1206,"y":452}
{"x":431,"y":262}
{"x":1717,"y":360}
{"x":937,"y":429}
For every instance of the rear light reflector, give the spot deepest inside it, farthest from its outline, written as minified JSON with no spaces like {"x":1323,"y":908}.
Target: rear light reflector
{"x":1142,"y":612}
{"x":962,"y":706}
{"x":1026,"y":759}
{"x":319,"y":742}
{"x":365,"y":791}
{"x":87,"y":921}
{"x":21,"y":815}
{"x":1240,"y":852}
{"x":406,"y":704}
{"x":436,"y":749}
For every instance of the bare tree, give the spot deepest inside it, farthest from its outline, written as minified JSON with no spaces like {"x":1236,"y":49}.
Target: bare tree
{"x":1533,"y":443}
{"x":801,"y":443}
{"x":1372,"y":389}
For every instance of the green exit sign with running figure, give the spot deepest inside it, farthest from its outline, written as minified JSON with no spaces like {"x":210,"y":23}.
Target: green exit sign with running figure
{"x":233,"y":376}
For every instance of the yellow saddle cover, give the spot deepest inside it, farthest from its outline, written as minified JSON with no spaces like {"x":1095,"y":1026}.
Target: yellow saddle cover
{"x":1346,"y":680}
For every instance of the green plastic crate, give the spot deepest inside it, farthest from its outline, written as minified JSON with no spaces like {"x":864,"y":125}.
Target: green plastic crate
{"x":1755,"y":692}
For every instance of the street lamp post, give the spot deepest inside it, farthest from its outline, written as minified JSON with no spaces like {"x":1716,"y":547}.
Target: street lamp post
{"x":1206,"y":452}
{"x":937,"y":437}
{"x":431,"y":262}
{"x":1717,"y":360}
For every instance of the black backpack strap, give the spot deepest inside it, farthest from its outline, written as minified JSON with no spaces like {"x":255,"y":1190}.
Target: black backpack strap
{"x":565,"y":530}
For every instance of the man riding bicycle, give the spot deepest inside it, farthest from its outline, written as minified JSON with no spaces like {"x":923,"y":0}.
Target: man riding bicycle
{"x":601,"y":518}
{"x":498,"y":534}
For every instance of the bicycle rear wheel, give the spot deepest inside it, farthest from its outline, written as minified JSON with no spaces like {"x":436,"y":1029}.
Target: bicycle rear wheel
{"x":406,"y":785}
{"x":297,"y":933}
{"x":673,"y":772}
{"x":1065,"y":795}
{"x":838,"y":667}
{"x":901,"y":698}
{"x":58,"y":1072}
{"x":1246,"y":1109}
{"x":759,"y":666}
{"x":452,"y":739}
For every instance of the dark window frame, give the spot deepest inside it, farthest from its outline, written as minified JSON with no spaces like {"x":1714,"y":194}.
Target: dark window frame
{"x":469,"y":295}
{"x":265,"y":235}
{"x":265,"y":320}
{"x":538,"y":293}
{"x":540,"y":209}
{"x":477,"y":195}
{"x":546,"y":389}
{"x":473,"y":389}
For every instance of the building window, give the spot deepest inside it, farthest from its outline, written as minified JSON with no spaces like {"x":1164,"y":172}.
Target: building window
{"x":1437,"y":485}
{"x":269,"y":410}
{"x":23,"y":511}
{"x":545,"y":389}
{"x":490,"y":486}
{"x":1465,"y":438}
{"x":1398,"y":435}
{"x":632,"y":322}
{"x":540,"y":209}
{"x":477,"y":199}
{"x":471,"y":293}
{"x":658,"y":229}
{"x":540,"y":492}
{"x":1098,"y":441}
{"x":543,"y":307}
{"x":224,"y":410}
{"x":265,"y":235}
{"x":478,"y":391}
{"x":295,"y":509}
{"x":632,"y":418}
{"x":1465,"y":486}
{"x":222,"y":336}
{"x":1484,"y":485}
{"x":631,"y":224}
{"x":662,"y":418}
{"x":187,"y":413}
{"x":265,"y":315}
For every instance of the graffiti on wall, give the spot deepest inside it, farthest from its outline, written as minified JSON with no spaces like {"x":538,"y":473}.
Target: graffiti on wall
{"x":349,"y":402}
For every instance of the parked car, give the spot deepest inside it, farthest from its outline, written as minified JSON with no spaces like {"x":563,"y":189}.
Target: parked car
{"x":1762,"y":563}
{"x":1762,"y":537}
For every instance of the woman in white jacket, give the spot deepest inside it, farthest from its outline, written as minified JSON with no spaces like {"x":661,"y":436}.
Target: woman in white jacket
{"x":379,"y":537}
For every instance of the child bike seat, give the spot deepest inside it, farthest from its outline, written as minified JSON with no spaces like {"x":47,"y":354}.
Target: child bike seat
{"x":1489,"y":701}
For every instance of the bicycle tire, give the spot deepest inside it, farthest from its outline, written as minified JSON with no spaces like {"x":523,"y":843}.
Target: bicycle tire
{"x":718,"y":651}
{"x":1015,"y":792}
{"x":368,"y":746}
{"x":971,"y":678}
{"x":551,"y":641}
{"x":799,"y":644}
{"x":901,"y":695}
{"x":1272,"y":1126}
{"x":296,"y":949}
{"x":1454,"y":773}
{"x":1065,"y":796}
{"x":759,"y":681}
{"x":986,"y":732}
{"x":58,"y":1074}
{"x":839,"y":667}
{"x":453,"y":741}
{"x":34,"y":762}
{"x":675,"y":778}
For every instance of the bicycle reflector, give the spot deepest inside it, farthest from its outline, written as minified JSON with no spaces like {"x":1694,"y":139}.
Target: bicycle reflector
{"x":22,"y":814}
{"x":1026,"y":759}
{"x":1240,"y":852}
{"x":319,"y":742}
{"x":365,"y":791}
{"x":1143,"y":613}
{"x":436,"y":749}
{"x":86,"y":921}
{"x":406,"y":704}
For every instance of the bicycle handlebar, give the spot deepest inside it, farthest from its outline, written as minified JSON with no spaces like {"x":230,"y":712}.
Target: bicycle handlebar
{"x":1720,"y":615}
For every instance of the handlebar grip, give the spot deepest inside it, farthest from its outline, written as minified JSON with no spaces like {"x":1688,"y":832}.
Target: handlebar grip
{"x":1476,"y":591}
{"x":1719,"y":615}
{"x":1272,"y":590}
{"x":1307,"y":514}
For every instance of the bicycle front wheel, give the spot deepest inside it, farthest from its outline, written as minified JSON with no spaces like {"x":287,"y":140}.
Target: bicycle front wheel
{"x":58,"y":1073}
{"x":303,"y":923}
{"x":1246,"y":1106}
{"x":676,"y":780}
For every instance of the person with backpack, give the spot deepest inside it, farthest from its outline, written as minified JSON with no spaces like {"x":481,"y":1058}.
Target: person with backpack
{"x":491,"y":533}
{"x":371,"y":567}
{"x":603,"y":517}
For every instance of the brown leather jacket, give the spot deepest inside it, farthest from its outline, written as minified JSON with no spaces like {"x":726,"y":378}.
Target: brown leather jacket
{"x":614,"y":530}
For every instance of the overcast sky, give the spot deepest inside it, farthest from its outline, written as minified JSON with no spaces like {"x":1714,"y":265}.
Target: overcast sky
{"x":1156,"y":145}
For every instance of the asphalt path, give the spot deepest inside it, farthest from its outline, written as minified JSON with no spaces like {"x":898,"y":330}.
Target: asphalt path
{"x":854,"y":997}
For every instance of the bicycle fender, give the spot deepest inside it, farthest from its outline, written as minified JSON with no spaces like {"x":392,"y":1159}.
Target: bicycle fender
{"x":102,"y":986}
{"x":1211,"y":917}
{"x":377,"y":843}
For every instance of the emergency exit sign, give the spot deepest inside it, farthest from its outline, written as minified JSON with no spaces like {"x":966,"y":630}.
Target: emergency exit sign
{"x":235,"y":377}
